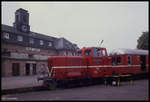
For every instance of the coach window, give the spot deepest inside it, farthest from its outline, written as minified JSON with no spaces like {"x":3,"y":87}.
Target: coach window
{"x":118,"y":60}
{"x":87,"y":52}
{"x":128,"y":60}
{"x":113,"y":61}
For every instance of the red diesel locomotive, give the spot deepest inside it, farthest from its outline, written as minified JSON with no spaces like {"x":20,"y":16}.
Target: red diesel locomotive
{"x":94,"y":63}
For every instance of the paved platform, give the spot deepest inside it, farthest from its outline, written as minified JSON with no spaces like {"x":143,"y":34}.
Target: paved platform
{"x":19,"y":82}
{"x":138,"y":91}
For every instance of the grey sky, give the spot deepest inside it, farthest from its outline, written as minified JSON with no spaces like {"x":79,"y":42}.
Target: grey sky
{"x":119,"y":24}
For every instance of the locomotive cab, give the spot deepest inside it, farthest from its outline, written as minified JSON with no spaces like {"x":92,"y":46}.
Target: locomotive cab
{"x":92,"y":51}
{"x":98,"y":61}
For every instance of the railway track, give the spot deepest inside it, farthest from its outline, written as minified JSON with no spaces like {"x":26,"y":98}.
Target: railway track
{"x":77,"y":83}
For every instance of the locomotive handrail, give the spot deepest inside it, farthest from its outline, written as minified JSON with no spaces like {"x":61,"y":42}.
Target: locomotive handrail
{"x":43,"y":76}
{"x":49,"y":74}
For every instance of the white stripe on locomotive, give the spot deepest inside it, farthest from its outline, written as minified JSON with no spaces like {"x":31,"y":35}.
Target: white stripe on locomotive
{"x":96,"y":66}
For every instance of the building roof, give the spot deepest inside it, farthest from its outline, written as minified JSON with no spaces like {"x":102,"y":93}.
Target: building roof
{"x":122,"y":51}
{"x":32,"y":34}
{"x":21,"y":10}
{"x":68,"y":46}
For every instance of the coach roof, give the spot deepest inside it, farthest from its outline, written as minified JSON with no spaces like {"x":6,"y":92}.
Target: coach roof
{"x":129,"y":51}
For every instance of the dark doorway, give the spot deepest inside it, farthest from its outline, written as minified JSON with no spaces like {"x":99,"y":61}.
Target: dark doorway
{"x":34,"y":69}
{"x":27,"y":69}
{"x":15,"y":69}
{"x":143,"y":62}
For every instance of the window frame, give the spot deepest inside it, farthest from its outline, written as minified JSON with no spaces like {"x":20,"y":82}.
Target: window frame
{"x":89,"y":52}
{"x":118,"y":62}
{"x":50,"y":44}
{"x":113,"y":60}
{"x":129,"y":57}
{"x":41,"y":42}
{"x":31,"y":40}
{"x":95,"y":52}
{"x":103,"y":52}
{"x":19,"y":38}
{"x":79,"y":53}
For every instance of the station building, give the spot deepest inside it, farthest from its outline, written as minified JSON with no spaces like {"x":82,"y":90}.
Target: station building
{"x":25,"y":53}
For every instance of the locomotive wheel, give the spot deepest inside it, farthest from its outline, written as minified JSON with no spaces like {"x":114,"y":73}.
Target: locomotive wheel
{"x":64,"y":83}
{"x":50,"y":84}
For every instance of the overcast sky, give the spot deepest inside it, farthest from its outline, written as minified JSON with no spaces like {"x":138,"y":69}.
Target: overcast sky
{"x":119,"y":24}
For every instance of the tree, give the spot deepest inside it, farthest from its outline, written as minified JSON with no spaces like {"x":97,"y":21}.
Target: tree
{"x":143,"y":41}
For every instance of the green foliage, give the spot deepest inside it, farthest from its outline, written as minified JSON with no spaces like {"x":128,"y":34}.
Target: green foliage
{"x":143,"y":41}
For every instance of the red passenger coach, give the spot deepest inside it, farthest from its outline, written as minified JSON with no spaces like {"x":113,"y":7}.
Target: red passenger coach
{"x":131,"y":61}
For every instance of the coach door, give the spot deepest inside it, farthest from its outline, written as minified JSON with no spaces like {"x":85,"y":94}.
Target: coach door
{"x":143,"y":62}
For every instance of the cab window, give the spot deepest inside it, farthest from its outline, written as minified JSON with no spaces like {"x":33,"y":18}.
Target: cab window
{"x":79,"y":53}
{"x":99,"y":52}
{"x":103,"y":53}
{"x":87,"y":52}
{"x":96,"y":52}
